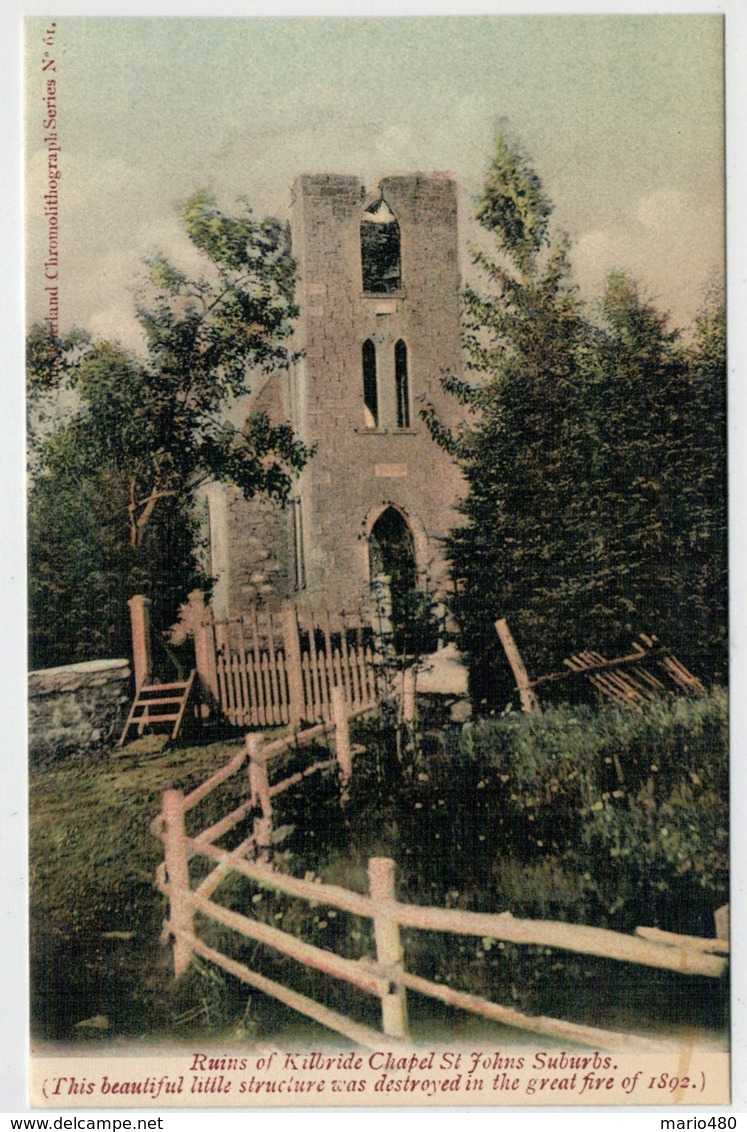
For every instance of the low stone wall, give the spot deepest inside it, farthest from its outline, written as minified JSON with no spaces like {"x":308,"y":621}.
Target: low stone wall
{"x":78,"y":707}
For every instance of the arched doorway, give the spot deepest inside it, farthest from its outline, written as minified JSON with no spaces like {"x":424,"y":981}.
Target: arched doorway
{"x":391,"y":548}
{"x":392,"y":551}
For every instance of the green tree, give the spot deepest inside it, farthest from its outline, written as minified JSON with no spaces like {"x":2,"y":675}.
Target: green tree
{"x":662,"y":491}
{"x":593,"y":454}
{"x":706,"y":547}
{"x":82,"y":568}
{"x":527,"y":441}
{"x":145,"y":431}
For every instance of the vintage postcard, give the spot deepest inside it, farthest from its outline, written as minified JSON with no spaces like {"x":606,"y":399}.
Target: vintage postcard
{"x":377,"y":543}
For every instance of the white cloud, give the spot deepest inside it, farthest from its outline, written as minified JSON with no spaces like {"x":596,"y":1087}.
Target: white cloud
{"x":665,"y":208}
{"x":665,"y":242}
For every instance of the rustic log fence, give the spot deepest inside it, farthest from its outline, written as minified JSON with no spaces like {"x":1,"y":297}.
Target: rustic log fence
{"x":267,"y":669}
{"x":384,"y":975}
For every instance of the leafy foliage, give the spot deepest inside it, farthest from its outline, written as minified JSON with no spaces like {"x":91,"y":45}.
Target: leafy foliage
{"x":142,"y":433}
{"x":82,"y":568}
{"x":660,"y":503}
{"x":609,"y":818}
{"x":594,"y":458}
{"x":633,"y":803}
{"x":514,"y":206}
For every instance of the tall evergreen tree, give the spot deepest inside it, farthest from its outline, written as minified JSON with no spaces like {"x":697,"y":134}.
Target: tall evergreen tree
{"x":593,"y":455}
{"x":662,"y":493}
{"x":526,"y":444}
{"x":705,"y":547}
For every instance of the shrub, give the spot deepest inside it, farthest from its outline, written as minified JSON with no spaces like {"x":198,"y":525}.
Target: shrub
{"x":607,"y":817}
{"x":632,"y":802}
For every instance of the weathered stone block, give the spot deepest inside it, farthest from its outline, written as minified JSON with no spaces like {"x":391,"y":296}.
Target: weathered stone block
{"x":77,"y":707}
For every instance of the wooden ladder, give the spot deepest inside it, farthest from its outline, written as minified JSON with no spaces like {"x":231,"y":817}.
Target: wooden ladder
{"x":169,"y":700}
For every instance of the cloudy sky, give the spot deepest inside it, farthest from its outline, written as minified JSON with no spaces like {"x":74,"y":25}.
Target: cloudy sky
{"x":621,"y":115}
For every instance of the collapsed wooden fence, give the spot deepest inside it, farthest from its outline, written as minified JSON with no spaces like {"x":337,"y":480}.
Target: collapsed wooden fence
{"x":384,"y":975}
{"x":648,"y":672}
{"x":266,"y":669}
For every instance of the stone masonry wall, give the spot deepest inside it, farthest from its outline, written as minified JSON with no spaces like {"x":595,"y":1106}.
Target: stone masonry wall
{"x":259,"y":570}
{"x":77,"y":707}
{"x":357,"y":471}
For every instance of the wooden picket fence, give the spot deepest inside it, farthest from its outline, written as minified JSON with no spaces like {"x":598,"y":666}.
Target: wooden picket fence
{"x":267,"y":669}
{"x":383,"y":975}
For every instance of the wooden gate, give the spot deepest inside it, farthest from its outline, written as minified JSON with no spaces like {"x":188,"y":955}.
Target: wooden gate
{"x":268,"y":669}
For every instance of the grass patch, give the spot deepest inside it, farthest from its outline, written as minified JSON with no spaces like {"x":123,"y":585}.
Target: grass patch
{"x":93,"y":861}
{"x":610,"y":818}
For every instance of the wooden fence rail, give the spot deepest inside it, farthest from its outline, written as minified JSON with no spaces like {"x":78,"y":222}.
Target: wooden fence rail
{"x":384,"y":975}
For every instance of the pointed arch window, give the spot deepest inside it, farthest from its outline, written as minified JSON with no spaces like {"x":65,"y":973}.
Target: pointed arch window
{"x":380,"y":250}
{"x":402,"y":384}
{"x":370,"y":390}
{"x":299,"y":560}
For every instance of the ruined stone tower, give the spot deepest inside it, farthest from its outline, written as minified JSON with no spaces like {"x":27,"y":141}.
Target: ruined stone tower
{"x":378,"y":289}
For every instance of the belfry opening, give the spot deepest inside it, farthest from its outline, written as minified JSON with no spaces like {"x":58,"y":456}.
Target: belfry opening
{"x":380,"y":250}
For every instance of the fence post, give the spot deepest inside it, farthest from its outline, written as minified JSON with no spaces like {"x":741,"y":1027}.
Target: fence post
{"x":263,"y":839}
{"x":388,"y":945}
{"x":201,"y":621}
{"x":409,"y":710}
{"x":258,"y":780}
{"x":259,"y":785}
{"x":529,"y":701}
{"x":721,"y":920}
{"x":141,"y":651}
{"x":342,"y":734}
{"x":296,"y":697}
{"x":177,"y":872}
